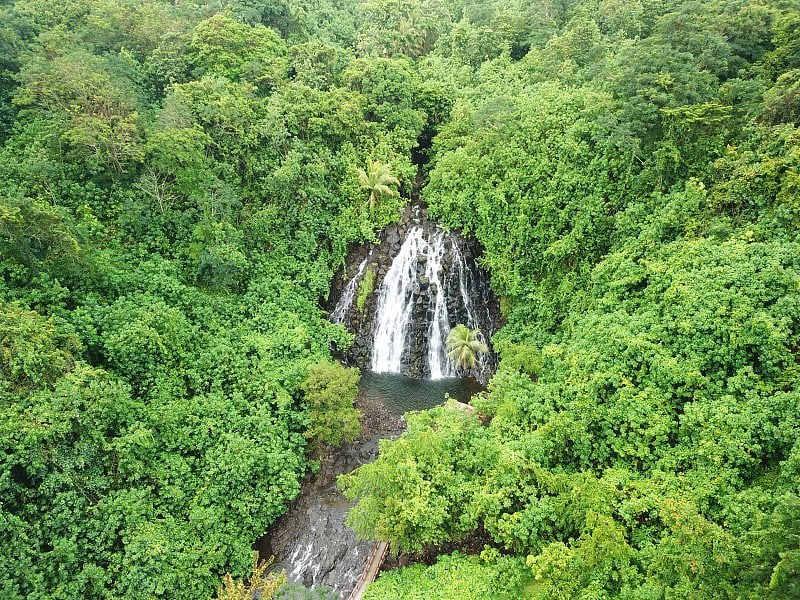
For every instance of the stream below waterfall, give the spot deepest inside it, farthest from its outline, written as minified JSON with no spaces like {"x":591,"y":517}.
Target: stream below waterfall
{"x":399,"y":297}
{"x":311,"y":541}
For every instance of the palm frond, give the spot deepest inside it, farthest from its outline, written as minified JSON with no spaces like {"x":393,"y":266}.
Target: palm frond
{"x":377,"y":180}
{"x":463,"y":346}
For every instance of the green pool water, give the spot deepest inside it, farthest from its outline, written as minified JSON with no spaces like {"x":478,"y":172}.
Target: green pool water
{"x":402,"y":394}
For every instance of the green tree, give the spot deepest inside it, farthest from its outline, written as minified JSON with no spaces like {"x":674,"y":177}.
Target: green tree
{"x":222,"y":46}
{"x":420,"y":489}
{"x":464,"y":346}
{"x":411,"y":28}
{"x":330,"y":390}
{"x":782,"y":101}
{"x":456,"y":575}
{"x":91,"y":102}
{"x":35,"y":233}
{"x":377,"y":180}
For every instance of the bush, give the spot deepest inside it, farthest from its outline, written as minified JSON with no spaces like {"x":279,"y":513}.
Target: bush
{"x":330,"y":390}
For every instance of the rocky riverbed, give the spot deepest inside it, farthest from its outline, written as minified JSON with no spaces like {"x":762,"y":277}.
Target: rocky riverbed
{"x":311,"y":541}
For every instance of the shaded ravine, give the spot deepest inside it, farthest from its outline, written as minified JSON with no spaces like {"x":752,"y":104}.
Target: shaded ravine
{"x":311,"y":541}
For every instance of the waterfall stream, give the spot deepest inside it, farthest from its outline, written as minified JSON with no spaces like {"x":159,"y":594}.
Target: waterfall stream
{"x":348,"y":295}
{"x":427,"y":281}
{"x":428,"y":289}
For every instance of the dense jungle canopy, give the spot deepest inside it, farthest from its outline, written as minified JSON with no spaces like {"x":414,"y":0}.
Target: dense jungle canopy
{"x":179,"y":182}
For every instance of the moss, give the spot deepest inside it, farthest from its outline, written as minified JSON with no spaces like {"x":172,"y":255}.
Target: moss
{"x":365,"y":289}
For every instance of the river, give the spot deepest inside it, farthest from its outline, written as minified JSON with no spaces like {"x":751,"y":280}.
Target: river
{"x":311,"y":541}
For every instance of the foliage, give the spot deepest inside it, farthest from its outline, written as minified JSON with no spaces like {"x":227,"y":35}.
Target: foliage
{"x":221,"y":46}
{"x":422,"y":469}
{"x":265,"y":585}
{"x":407,"y":28}
{"x":179,"y":182}
{"x":365,"y":289}
{"x":464,"y":346}
{"x":330,"y":390}
{"x":453,"y":576}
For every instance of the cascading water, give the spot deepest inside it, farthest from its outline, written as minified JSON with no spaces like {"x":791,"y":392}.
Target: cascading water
{"x":395,"y":306}
{"x":348,"y":294}
{"x":428,"y":289}
{"x":474,"y":295}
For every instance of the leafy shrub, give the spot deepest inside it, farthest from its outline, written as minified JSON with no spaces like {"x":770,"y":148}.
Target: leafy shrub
{"x":330,"y":390}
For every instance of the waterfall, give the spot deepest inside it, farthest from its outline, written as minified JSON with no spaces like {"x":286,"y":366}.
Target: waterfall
{"x":428,"y":289}
{"x":346,"y":301}
{"x":395,"y":305}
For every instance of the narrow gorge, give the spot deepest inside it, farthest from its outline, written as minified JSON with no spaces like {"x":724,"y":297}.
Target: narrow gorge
{"x":403,"y":294}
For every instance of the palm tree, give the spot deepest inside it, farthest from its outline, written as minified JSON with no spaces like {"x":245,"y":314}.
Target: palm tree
{"x":377,"y":180}
{"x":463,"y":346}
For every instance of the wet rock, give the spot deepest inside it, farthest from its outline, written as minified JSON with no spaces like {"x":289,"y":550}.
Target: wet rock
{"x":422,"y":296}
{"x":311,"y":540}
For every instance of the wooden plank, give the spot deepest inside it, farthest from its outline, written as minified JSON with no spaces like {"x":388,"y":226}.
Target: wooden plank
{"x":371,"y":569}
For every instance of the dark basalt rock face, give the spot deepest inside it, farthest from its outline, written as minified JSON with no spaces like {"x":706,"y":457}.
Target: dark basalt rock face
{"x":483,"y":311}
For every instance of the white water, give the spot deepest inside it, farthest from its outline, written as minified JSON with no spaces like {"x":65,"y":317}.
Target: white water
{"x":475,"y":320}
{"x":395,"y":304}
{"x":303,"y":561}
{"x":439,"y":363}
{"x":419,"y":267}
{"x":349,"y":292}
